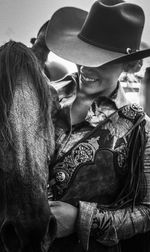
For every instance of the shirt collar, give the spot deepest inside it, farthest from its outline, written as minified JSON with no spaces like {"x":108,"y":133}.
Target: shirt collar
{"x":116,"y":99}
{"x":119,"y":97}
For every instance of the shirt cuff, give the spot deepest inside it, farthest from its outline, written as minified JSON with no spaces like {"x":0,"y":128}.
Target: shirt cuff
{"x":84,"y":222}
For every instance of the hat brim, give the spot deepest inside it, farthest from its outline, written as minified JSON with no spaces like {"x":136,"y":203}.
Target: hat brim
{"x":62,"y":39}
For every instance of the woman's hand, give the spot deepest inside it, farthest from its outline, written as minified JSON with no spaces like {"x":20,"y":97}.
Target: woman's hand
{"x":65,"y":215}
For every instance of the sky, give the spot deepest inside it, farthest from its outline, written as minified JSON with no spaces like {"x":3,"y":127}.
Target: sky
{"x":21,"y":19}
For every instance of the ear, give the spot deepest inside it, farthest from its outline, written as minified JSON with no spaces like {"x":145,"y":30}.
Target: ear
{"x":9,"y":237}
{"x":133,"y":66}
{"x":50,"y":234}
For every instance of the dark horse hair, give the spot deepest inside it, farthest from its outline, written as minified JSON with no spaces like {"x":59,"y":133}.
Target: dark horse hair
{"x":25,"y":215}
{"x":17,"y":61}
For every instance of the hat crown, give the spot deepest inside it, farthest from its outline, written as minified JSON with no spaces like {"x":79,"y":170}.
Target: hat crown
{"x":114,"y":27}
{"x":110,"y":32}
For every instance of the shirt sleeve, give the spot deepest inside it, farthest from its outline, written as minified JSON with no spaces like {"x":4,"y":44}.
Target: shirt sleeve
{"x":110,"y":226}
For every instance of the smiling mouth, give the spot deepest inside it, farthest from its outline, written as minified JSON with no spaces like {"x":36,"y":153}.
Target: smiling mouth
{"x":84,"y":78}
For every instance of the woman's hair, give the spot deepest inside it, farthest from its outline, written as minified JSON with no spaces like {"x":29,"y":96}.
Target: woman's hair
{"x":41,"y":30}
{"x":17,"y":60}
{"x":135,"y":186}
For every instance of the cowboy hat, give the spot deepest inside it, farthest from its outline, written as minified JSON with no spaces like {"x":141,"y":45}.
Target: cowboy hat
{"x":108,"y":33}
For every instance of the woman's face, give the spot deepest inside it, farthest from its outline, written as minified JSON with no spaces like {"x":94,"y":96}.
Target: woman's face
{"x":99,"y":80}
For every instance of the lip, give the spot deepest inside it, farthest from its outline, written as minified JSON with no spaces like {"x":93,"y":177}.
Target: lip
{"x":87,"y":79}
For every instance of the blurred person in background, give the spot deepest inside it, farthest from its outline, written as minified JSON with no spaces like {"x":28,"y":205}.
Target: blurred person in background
{"x":52,"y":69}
{"x":146,"y":91}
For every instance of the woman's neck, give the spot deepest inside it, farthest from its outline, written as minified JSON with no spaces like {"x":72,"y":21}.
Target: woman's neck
{"x":80,"y":107}
{"x":83,"y":101}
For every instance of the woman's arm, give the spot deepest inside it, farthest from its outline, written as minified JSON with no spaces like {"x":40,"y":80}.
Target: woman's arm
{"x":110,"y":226}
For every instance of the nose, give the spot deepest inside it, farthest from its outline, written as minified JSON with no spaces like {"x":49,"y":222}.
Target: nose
{"x":50,"y":234}
{"x":9,"y":237}
{"x":52,"y":227}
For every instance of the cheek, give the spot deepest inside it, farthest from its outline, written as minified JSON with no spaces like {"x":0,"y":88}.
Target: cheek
{"x":98,"y":84}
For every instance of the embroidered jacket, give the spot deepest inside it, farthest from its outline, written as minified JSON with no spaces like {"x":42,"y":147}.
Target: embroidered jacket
{"x":91,"y":162}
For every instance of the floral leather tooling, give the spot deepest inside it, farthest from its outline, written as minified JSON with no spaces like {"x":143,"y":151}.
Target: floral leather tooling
{"x":96,"y":165}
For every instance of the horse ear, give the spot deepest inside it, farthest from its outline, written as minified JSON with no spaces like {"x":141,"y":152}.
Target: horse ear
{"x":10,"y":240}
{"x":50,"y":234}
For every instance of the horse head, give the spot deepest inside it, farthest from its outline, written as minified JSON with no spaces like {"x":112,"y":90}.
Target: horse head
{"x":26,"y":148}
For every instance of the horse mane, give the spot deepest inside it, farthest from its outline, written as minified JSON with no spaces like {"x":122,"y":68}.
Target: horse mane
{"x":17,"y":61}
{"x":26,"y":147}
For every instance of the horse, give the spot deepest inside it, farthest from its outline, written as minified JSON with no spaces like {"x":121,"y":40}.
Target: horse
{"x":26,"y":148}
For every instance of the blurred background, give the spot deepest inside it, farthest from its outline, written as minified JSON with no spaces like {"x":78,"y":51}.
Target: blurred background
{"x":21,"y":20}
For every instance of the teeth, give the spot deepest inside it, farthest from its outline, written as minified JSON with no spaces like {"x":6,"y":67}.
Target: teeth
{"x":88,"y":79}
